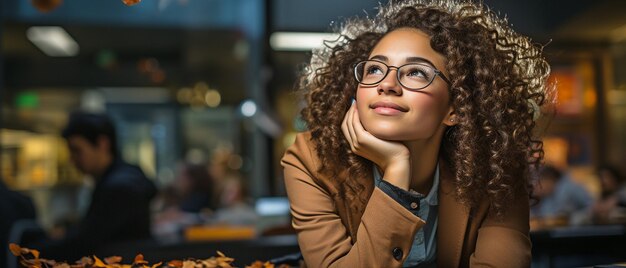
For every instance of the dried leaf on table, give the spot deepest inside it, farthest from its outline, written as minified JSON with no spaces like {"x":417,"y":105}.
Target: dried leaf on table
{"x":15,"y":249}
{"x":260,"y":264}
{"x":98,"y":263}
{"x":139,"y":259}
{"x":84,"y":261}
{"x":113,"y":260}
{"x":175,"y":263}
{"x":30,"y":258}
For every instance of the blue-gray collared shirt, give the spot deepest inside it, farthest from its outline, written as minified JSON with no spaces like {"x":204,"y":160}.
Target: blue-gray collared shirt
{"x":424,"y":249}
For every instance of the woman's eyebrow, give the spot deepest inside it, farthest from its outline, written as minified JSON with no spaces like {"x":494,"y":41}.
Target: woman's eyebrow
{"x":408,"y":59}
{"x":419,"y":59}
{"x":380,"y":58}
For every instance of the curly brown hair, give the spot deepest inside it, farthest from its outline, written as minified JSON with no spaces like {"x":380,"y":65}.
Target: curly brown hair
{"x":499,"y":83}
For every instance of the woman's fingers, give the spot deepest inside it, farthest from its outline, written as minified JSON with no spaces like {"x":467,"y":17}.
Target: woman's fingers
{"x":361,"y":135}
{"x":350,"y":125}
{"x":345,"y":127}
{"x":358,"y":128}
{"x":355,"y":133}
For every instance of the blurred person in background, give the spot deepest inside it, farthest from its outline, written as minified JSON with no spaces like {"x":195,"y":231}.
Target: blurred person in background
{"x":611,"y":206}
{"x":188,"y":200}
{"x":13,"y":208}
{"x":120,"y":202}
{"x":234,"y":205}
{"x":196,"y":188}
{"x":561,"y":200}
{"x":211,"y":194}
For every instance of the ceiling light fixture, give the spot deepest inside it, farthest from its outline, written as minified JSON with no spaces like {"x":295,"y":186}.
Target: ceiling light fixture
{"x":53,"y":41}
{"x":299,"y":41}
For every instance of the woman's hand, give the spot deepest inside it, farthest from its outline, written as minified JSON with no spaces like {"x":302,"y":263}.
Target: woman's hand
{"x":391,"y":157}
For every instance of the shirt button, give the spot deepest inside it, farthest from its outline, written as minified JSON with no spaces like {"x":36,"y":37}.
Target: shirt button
{"x":397,"y":253}
{"x":419,"y":240}
{"x":414,"y":205}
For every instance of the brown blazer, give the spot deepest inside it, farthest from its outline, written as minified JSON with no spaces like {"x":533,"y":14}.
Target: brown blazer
{"x":334,"y":232}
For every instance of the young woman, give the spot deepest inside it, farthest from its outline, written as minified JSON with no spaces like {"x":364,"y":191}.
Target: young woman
{"x":420,"y":141}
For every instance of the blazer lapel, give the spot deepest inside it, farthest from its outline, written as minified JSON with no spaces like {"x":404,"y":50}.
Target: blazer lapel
{"x":453,"y":219}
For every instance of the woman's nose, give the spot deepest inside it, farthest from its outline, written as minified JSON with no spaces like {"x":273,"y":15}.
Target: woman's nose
{"x":390,"y":84}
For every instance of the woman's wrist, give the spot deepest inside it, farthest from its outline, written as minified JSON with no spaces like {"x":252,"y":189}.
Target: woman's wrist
{"x":398,"y":173}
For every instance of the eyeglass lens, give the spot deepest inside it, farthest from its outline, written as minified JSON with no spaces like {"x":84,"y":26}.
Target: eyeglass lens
{"x":414,"y":76}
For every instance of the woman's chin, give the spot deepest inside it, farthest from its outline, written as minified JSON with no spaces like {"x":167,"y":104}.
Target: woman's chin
{"x":386,"y":135}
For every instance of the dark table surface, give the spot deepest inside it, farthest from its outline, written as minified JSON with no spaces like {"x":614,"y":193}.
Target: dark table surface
{"x":578,"y":246}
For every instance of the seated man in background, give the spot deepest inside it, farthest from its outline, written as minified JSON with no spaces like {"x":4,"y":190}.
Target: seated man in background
{"x":188,"y":200}
{"x":120,"y":203}
{"x":561,"y":200}
{"x":611,"y":207}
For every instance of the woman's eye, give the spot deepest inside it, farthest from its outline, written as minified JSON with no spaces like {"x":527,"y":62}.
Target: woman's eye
{"x":417,"y":73}
{"x":374,"y":70}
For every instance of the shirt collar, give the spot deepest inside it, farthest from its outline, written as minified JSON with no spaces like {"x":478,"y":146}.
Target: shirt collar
{"x":433,"y":196}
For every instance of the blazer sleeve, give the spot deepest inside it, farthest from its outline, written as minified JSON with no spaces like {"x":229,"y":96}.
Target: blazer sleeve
{"x":384,"y":236}
{"x":504,"y":241}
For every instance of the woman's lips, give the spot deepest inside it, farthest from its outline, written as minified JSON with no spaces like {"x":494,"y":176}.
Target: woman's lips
{"x":387,"y":108}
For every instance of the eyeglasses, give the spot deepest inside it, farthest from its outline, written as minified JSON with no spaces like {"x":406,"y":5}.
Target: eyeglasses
{"x":413,"y":76}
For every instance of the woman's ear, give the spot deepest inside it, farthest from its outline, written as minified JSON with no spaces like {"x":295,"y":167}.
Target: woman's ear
{"x":451,"y":118}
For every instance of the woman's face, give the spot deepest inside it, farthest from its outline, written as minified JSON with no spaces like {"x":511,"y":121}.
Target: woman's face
{"x":391,"y":112}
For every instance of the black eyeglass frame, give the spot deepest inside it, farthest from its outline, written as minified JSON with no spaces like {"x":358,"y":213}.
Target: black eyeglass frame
{"x":435,"y":70}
